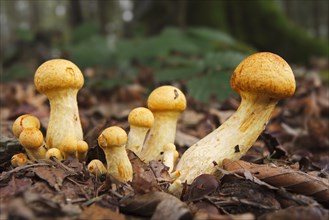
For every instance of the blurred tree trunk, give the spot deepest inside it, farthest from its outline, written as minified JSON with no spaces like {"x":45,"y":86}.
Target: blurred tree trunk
{"x":76,"y":17}
{"x":291,"y":9}
{"x":108,"y":13}
{"x":316,"y":17}
{"x":35,"y":15}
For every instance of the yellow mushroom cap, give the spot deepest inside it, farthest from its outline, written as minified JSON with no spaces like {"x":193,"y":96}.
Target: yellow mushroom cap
{"x":141,"y":117}
{"x":58,"y":74}
{"x":82,"y":146}
{"x":19,"y":159}
{"x":31,"y":138}
{"x":69,"y":145}
{"x":54,"y":152}
{"x":166,"y":98}
{"x":25,"y":121}
{"x":264,"y":73}
{"x":169,"y":147}
{"x":112,"y":136}
{"x":96,"y":167}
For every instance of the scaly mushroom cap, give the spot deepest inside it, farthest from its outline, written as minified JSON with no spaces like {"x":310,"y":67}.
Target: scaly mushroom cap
{"x":264,"y":73}
{"x":19,"y":159}
{"x":69,"y":145}
{"x":25,"y":121}
{"x":166,"y":98}
{"x":82,"y":147}
{"x":31,"y":138}
{"x":112,"y":136}
{"x":54,"y":152}
{"x":141,"y":117}
{"x":57,"y":74}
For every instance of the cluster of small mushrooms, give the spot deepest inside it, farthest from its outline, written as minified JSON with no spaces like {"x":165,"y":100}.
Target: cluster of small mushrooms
{"x":261,"y":80}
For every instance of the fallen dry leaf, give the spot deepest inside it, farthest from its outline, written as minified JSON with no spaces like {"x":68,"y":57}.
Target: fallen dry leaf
{"x":295,"y":181}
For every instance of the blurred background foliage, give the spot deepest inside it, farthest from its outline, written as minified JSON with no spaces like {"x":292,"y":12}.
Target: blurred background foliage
{"x":196,"y":43}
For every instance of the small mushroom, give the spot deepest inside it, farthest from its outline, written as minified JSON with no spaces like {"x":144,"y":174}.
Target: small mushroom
{"x":261,"y":79}
{"x":140,"y":120}
{"x":166,"y":104}
{"x":32,"y":140}
{"x":68,"y":147}
{"x":169,"y":156}
{"x":60,"y":81}
{"x":112,"y":140}
{"x":25,"y":121}
{"x":96,"y":167}
{"x":82,"y":149}
{"x":18,"y":160}
{"x":54,"y":152}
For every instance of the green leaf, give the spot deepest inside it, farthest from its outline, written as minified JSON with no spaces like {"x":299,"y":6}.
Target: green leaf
{"x":214,"y":83}
{"x":224,"y":60}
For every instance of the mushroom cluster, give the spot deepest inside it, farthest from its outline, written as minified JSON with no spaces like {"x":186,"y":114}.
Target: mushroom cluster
{"x":261,"y":80}
{"x":60,"y":81}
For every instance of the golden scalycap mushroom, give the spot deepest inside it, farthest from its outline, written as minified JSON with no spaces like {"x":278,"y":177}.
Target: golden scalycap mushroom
{"x":32,"y":140}
{"x":60,"y":81}
{"x":141,"y":117}
{"x":140,"y":120}
{"x":82,"y":149}
{"x":69,"y":146}
{"x":112,"y":136}
{"x":264,"y":73}
{"x":261,"y":79}
{"x":19,"y":159}
{"x":166,"y":98}
{"x":166,"y":103}
{"x":96,"y":167}
{"x":25,"y":121}
{"x":112,"y":140}
{"x":58,"y":74}
{"x":54,"y":152}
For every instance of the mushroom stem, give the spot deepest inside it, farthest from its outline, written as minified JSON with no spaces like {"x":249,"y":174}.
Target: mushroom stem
{"x":64,"y":117}
{"x":162,"y":132}
{"x":136,"y":137}
{"x":231,"y":140}
{"x":169,"y":156}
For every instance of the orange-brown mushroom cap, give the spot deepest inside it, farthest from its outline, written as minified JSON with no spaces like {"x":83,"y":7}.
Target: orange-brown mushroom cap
{"x":264,"y":73}
{"x":112,"y":136}
{"x":166,"y":98}
{"x":25,"y":121}
{"x":31,"y":138}
{"x":141,"y":117}
{"x":58,"y":74}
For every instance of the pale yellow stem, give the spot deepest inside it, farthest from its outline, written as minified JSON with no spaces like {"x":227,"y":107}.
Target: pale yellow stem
{"x":136,"y":137}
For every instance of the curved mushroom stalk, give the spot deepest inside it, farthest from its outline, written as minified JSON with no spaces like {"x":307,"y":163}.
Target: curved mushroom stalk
{"x":60,"y":81}
{"x":169,"y":156}
{"x":261,"y":80}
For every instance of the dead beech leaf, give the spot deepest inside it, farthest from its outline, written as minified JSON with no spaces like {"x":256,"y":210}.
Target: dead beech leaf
{"x":15,"y":185}
{"x":52,"y":175}
{"x":295,"y":181}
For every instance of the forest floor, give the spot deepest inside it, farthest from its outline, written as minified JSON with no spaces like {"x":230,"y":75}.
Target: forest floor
{"x":285,"y":175}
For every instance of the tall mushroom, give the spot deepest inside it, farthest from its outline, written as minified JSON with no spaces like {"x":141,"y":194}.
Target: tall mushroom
{"x":166,"y":103}
{"x":140,"y":120}
{"x":60,"y":81}
{"x":261,"y":79}
{"x":112,"y":140}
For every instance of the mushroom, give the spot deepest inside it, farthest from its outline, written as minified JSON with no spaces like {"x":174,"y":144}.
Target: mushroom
{"x":25,"y":121}
{"x":82,"y":149}
{"x":54,"y":152}
{"x":60,"y":81}
{"x":166,"y":103}
{"x":169,"y":156}
{"x":261,"y":79}
{"x":19,"y":159}
{"x":96,"y":167}
{"x":68,"y":147}
{"x":140,"y":120}
{"x":112,"y":140}
{"x":32,"y":140}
